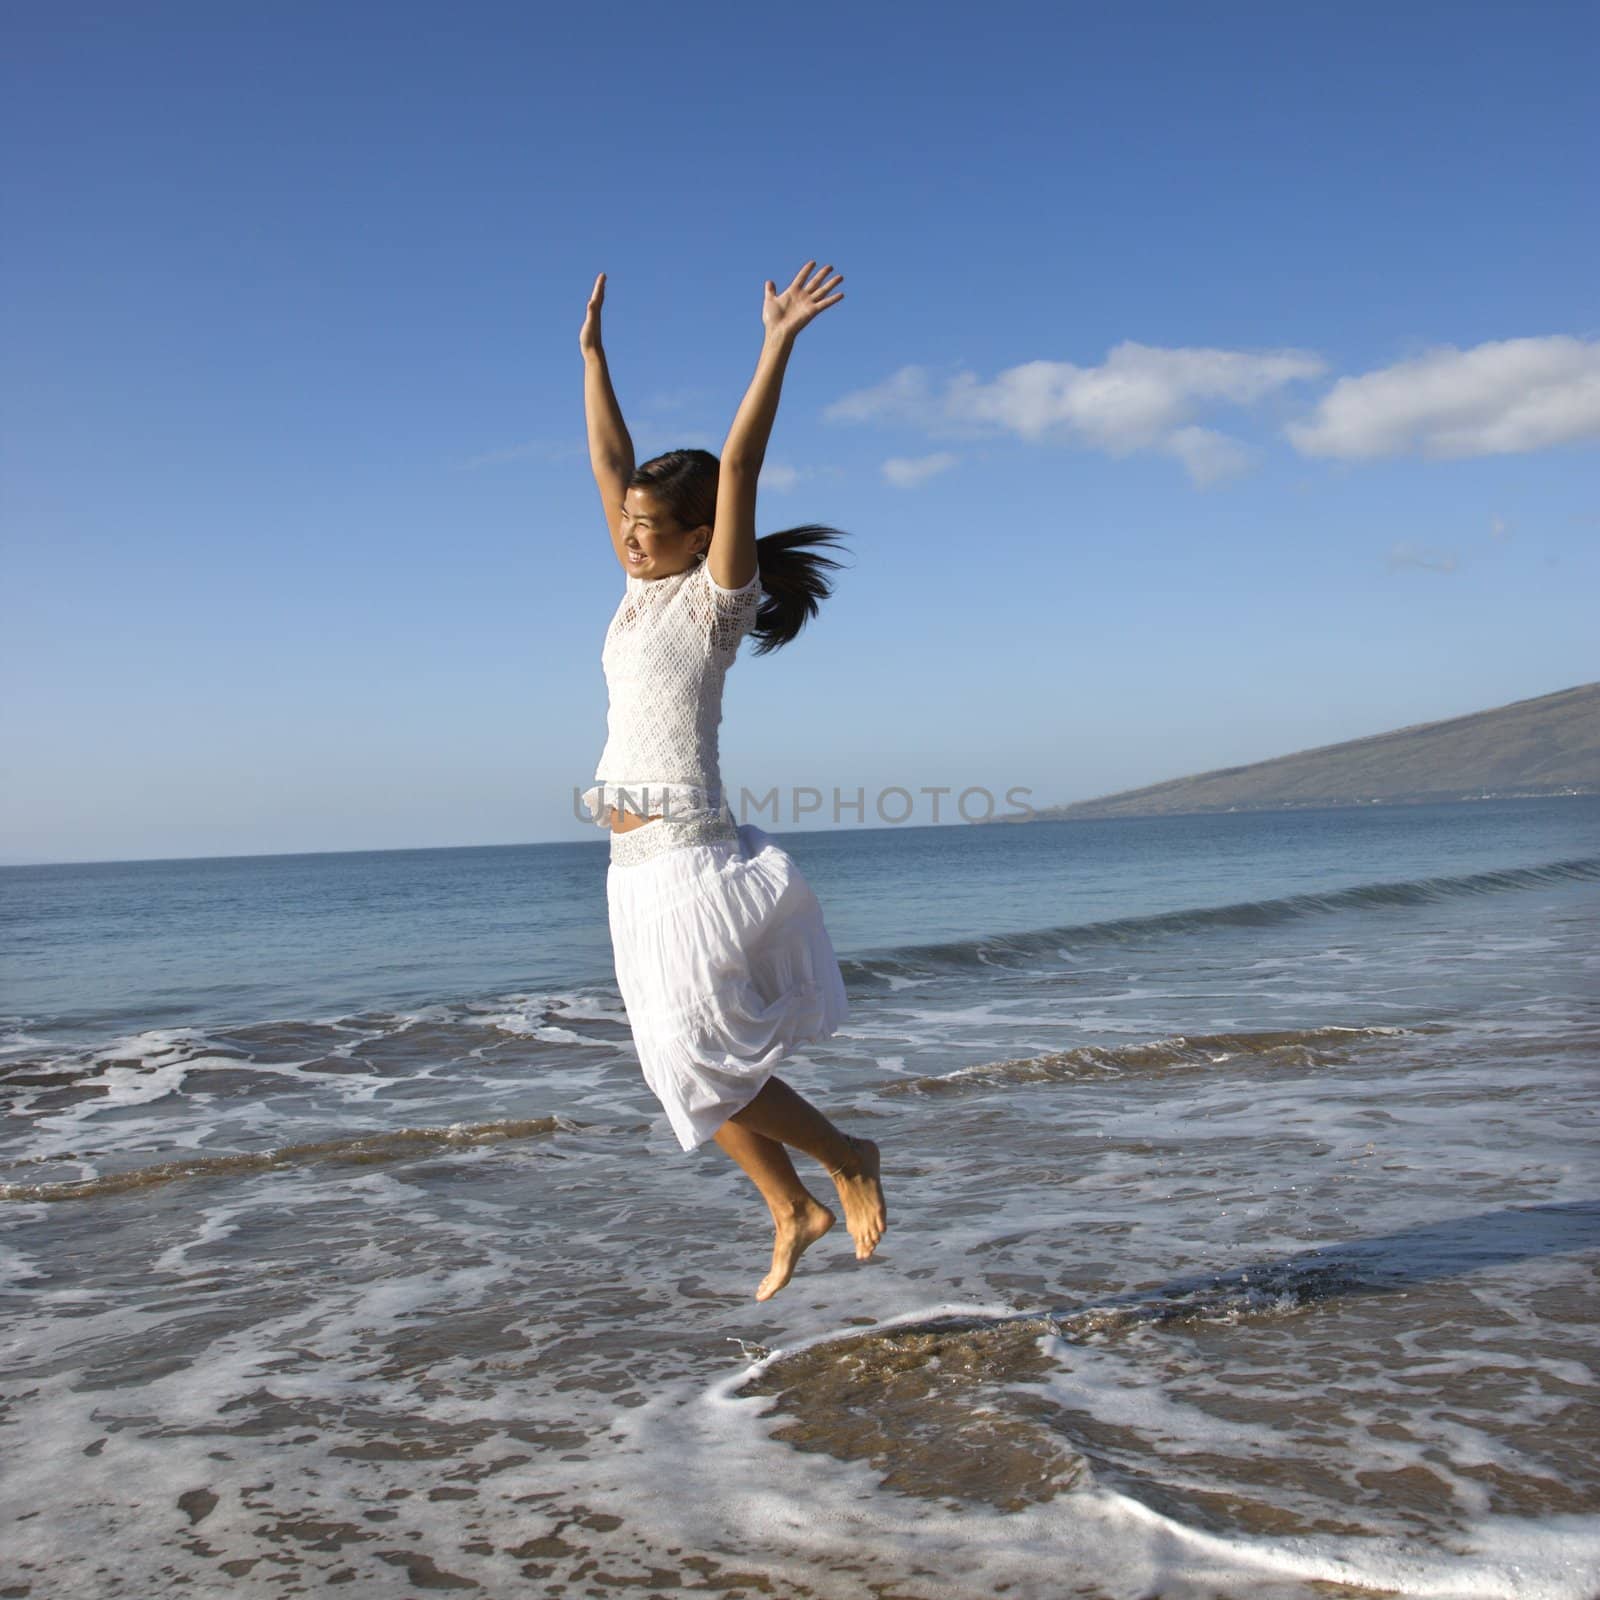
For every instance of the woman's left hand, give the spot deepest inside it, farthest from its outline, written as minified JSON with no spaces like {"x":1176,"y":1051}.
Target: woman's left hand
{"x":787,"y":313}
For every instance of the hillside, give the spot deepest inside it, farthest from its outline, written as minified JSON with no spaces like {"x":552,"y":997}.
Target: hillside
{"x":1545,"y":746}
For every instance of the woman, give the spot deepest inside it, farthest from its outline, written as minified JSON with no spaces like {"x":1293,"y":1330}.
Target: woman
{"x":722,"y":958}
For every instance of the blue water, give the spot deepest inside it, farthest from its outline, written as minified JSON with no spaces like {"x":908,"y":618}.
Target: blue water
{"x":114,"y":946}
{"x":1244,"y":1191}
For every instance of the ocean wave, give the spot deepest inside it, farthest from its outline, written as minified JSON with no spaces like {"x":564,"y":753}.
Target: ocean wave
{"x":361,"y":1047}
{"x":889,"y":967}
{"x":1013,"y":1408}
{"x":978,"y":1342}
{"x":1277,"y":1046}
{"x":363,"y":1149}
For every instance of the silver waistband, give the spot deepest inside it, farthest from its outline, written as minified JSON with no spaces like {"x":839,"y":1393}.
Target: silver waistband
{"x":669,"y":833}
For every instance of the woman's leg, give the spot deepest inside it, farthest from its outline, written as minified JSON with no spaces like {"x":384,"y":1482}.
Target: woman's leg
{"x":798,"y":1217}
{"x":782,"y":1116}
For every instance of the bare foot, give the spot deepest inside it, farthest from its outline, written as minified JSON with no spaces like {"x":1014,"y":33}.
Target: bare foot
{"x":861,"y":1194}
{"x":794,"y":1235}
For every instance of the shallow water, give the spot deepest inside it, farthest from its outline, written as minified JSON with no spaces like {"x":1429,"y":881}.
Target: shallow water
{"x":1245,"y":1219}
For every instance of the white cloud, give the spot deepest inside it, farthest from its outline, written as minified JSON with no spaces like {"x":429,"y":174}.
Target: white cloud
{"x":906,"y":397}
{"x":1141,"y":397}
{"x":778,"y":477}
{"x":1407,"y":554}
{"x":1506,"y":396}
{"x":907,"y":472}
{"x":781,"y":478}
{"x":1499,"y":528}
{"x":1209,"y":456}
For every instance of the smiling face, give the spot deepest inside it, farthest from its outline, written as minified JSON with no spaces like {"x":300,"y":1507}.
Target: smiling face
{"x":653,"y":543}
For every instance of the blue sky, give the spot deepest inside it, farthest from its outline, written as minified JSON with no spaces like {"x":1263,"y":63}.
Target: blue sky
{"x":1211,"y":382}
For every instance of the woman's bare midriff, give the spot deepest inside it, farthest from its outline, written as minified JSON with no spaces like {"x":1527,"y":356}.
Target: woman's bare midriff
{"x":622,"y":821}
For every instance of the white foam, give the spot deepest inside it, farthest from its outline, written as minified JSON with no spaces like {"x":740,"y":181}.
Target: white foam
{"x":137,"y":1086}
{"x":729,"y":1477}
{"x":13,"y":1041}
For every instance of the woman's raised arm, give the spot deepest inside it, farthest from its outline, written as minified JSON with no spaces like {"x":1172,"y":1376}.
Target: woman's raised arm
{"x":731,"y":557}
{"x":610,"y":448}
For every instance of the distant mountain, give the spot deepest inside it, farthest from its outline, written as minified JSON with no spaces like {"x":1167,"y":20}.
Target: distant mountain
{"x":1546,"y":746}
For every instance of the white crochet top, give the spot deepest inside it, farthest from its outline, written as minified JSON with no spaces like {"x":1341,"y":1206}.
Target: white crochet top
{"x":667,"y":653}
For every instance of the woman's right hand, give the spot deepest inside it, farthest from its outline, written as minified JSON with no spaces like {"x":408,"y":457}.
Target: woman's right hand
{"x":589,"y":338}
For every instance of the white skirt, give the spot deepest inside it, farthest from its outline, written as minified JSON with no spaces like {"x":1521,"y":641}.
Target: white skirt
{"x":725,"y":967}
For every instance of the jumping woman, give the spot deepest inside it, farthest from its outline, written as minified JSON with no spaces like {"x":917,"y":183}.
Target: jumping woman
{"x":722,"y":958}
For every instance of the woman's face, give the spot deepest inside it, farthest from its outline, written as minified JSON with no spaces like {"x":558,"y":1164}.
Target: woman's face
{"x":654,"y":546}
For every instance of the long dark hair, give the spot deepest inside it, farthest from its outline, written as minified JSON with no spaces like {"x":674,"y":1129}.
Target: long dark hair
{"x":791,"y":563}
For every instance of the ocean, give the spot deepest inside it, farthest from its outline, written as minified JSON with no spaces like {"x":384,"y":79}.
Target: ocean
{"x":1244,"y":1215}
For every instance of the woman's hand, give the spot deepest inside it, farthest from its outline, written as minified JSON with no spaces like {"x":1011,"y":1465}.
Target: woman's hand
{"x":787,"y":313}
{"x":589,"y":337}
